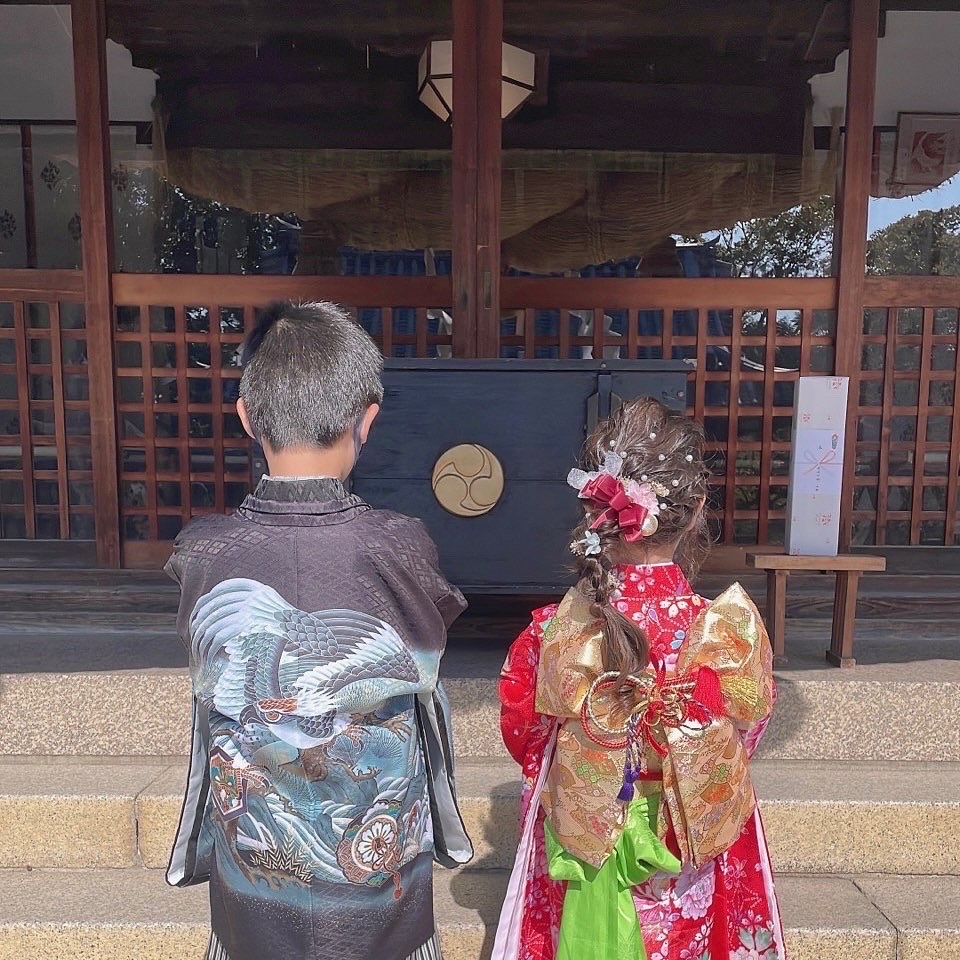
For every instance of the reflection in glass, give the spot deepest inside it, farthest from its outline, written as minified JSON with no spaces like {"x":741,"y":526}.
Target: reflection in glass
{"x":168,"y":494}
{"x":9,"y":423}
{"x":163,"y":320}
{"x":48,"y":526}
{"x":201,"y":425}
{"x":133,"y":493}
{"x":906,"y":393}
{"x":168,"y":526}
{"x":73,"y":351}
{"x":899,"y":498}
{"x":80,"y":493}
{"x":201,"y":390}
{"x":167,"y":459}
{"x":136,"y":527}
{"x":43,"y":423}
{"x":234,"y":493}
{"x":71,"y":315}
{"x":164,"y":354}
{"x":128,"y":320}
{"x":166,"y":424}
{"x":56,"y":193}
{"x":39,"y":350}
{"x":202,"y":494}
{"x":133,"y":460}
{"x":82,"y":526}
{"x":201,"y":460}
{"x":79,"y":456}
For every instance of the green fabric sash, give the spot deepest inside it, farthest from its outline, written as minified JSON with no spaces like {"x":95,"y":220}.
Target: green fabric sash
{"x":599,"y":917}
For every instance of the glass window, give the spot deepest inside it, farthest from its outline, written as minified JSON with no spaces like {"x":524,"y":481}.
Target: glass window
{"x":323,"y":159}
{"x":39,"y":189}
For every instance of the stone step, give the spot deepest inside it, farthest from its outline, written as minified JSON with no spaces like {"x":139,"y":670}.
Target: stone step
{"x":809,"y":595}
{"x":131,"y":915}
{"x":68,"y":642}
{"x":886,"y":712}
{"x":821,"y":818}
{"x":118,"y":595}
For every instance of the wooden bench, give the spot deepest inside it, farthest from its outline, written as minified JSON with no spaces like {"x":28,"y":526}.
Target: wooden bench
{"x":848,"y":569}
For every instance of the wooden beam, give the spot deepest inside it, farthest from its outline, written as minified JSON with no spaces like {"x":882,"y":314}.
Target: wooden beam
{"x":672,"y":117}
{"x":851,"y":227}
{"x":322,"y":113}
{"x":396,"y":26}
{"x":93,"y":152}
{"x":39,"y":284}
{"x":616,"y":293}
{"x":132,"y":289}
{"x":911,"y":291}
{"x":609,"y":115}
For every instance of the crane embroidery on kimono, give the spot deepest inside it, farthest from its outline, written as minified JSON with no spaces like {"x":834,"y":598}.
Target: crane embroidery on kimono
{"x":306,"y":676}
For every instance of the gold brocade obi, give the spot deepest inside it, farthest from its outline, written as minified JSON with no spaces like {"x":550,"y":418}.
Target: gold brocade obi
{"x":707,"y":792}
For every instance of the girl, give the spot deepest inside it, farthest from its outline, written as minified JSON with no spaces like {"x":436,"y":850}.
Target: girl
{"x":634,"y":706}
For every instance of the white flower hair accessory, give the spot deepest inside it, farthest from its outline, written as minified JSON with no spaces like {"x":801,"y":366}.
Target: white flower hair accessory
{"x":588,"y":545}
{"x":612,"y":465}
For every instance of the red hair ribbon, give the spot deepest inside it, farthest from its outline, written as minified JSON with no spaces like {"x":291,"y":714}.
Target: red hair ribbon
{"x":608,"y":491}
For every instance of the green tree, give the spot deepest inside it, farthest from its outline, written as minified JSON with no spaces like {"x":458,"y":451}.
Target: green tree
{"x":795,"y":243}
{"x":925,"y":243}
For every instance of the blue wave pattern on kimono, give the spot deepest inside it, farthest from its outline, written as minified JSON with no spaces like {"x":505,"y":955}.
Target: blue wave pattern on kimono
{"x":315,"y":768}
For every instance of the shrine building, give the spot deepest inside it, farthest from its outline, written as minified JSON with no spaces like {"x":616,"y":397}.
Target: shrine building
{"x":767,"y":190}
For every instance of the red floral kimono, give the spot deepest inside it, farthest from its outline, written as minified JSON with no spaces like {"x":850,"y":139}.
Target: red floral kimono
{"x":724,"y":910}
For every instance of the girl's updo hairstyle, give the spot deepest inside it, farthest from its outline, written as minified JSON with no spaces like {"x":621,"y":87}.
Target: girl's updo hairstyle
{"x":664,"y":449}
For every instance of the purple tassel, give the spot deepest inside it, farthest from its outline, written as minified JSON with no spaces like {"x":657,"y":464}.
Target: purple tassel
{"x":629,"y":777}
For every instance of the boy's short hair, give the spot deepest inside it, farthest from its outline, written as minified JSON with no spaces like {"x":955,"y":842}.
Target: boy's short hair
{"x":310,"y":373}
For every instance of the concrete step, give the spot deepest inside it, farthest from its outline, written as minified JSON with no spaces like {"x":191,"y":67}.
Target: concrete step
{"x":131,"y":915}
{"x":821,"y":818}
{"x":885,"y":712}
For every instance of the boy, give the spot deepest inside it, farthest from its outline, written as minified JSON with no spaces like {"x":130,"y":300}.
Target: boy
{"x":319,"y":790}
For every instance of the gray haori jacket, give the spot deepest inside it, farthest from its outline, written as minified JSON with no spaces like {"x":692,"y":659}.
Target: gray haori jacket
{"x":321,"y":777}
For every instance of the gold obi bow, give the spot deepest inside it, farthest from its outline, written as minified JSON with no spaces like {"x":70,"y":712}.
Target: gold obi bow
{"x":684,"y":726}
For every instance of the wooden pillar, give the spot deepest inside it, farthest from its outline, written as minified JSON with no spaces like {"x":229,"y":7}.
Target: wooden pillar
{"x":475,"y":201}
{"x":489,"y":136}
{"x":93,"y":151}
{"x":851,"y":226}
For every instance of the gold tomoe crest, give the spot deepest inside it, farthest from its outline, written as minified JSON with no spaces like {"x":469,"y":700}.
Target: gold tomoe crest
{"x":468,"y":480}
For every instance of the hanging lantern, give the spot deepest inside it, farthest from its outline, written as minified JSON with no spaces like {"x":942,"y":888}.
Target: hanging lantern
{"x":518,"y":69}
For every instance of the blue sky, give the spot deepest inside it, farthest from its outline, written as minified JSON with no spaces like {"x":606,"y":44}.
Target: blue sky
{"x":885,"y":211}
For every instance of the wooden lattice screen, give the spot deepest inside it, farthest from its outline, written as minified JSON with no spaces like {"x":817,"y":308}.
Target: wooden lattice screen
{"x":183,"y":450}
{"x":46,"y":477}
{"x":908,"y":432}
